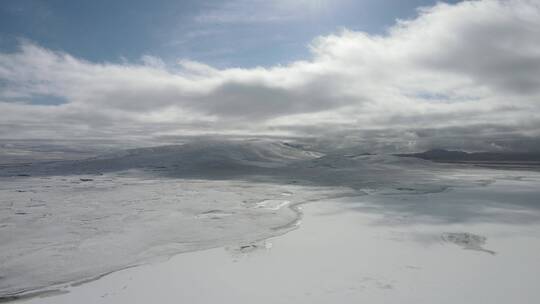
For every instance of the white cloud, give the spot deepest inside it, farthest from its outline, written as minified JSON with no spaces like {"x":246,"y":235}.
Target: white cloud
{"x":475,"y":64}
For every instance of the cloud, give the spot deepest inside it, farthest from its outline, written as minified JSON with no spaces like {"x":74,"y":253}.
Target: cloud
{"x":470,"y":66}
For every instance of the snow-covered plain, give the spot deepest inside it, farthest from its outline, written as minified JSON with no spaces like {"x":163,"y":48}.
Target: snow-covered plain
{"x":384,"y":228}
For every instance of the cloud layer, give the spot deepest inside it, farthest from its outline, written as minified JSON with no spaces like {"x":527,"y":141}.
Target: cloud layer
{"x":456,"y":75}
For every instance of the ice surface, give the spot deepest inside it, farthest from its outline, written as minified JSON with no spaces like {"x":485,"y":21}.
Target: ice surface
{"x":75,"y":220}
{"x":84,"y":229}
{"x":346,"y":252}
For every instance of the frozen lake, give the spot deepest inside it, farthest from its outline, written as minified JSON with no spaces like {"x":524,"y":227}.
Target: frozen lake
{"x":380,"y":248}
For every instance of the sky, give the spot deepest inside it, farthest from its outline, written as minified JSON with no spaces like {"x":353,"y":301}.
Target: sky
{"x":406,"y":74}
{"x":244,"y":33}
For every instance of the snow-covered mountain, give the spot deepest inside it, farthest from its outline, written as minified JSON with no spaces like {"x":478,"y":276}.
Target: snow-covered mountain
{"x":207,"y":157}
